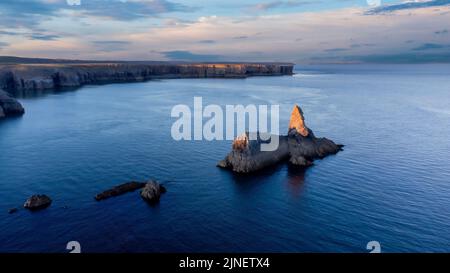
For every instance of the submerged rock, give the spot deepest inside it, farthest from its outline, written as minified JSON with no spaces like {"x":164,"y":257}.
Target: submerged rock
{"x":119,"y":190}
{"x":300,"y":146}
{"x":152,"y":191}
{"x":13,"y":210}
{"x":36,"y":202}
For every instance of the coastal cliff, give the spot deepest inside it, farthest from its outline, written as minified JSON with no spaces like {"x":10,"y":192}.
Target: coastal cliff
{"x":26,"y":79}
{"x":9,"y":106}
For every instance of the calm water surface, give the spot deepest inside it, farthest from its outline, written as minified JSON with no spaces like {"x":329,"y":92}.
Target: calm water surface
{"x":391,"y":184}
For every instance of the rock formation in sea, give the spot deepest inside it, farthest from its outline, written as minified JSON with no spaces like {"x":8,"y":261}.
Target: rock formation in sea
{"x":304,"y":146}
{"x":119,"y":190}
{"x":9,"y":106}
{"x":37,"y":202}
{"x":152,"y":191}
{"x":300,"y":146}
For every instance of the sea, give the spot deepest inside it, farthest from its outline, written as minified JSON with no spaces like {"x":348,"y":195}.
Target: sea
{"x":391,"y":184}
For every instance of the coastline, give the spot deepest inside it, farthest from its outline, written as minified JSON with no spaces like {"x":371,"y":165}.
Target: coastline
{"x":23,"y":77}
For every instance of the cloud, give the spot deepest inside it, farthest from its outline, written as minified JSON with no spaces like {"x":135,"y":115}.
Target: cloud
{"x":110,"y":46}
{"x":338,"y":35}
{"x":25,"y":13}
{"x":207,"y":41}
{"x":409,"y":5}
{"x":29,"y":13}
{"x":240,"y":37}
{"x":32,"y":35}
{"x":43,"y":37}
{"x":401,"y":58}
{"x":128,"y":10}
{"x":430,"y":46}
{"x":10,"y":33}
{"x":175,"y":22}
{"x":444,"y":31}
{"x":361,"y":45}
{"x":336,"y":49}
{"x":3,"y":44}
{"x":182,"y":55}
{"x":281,"y":4}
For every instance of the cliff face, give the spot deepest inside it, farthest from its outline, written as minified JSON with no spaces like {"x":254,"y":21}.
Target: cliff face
{"x":37,"y":75}
{"x":23,"y":79}
{"x":9,"y":106}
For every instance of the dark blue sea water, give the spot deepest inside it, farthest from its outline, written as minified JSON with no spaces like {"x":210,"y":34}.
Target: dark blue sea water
{"x":391,"y":184}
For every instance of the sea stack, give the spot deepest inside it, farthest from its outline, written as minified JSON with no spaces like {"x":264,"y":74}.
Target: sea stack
{"x":297,"y":122}
{"x":300,"y":146}
{"x":304,"y":147}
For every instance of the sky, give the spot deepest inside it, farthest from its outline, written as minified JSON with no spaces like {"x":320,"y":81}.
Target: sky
{"x":299,"y":31}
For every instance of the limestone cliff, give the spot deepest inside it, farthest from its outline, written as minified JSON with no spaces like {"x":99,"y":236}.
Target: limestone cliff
{"x":9,"y":106}
{"x":25,"y":76}
{"x":25,"y":79}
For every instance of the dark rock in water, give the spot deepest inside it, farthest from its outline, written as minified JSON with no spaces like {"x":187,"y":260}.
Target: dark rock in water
{"x":118,"y":190}
{"x":37,"y":202}
{"x":300,"y":161}
{"x":9,"y":106}
{"x":13,"y":210}
{"x":247,"y":155}
{"x":300,"y":146}
{"x":152,"y":192}
{"x":162,"y":188}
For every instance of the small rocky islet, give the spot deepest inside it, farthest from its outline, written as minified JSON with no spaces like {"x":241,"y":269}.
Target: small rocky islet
{"x":301,"y":147}
{"x":119,"y":190}
{"x":151,"y":191}
{"x":37,"y":202}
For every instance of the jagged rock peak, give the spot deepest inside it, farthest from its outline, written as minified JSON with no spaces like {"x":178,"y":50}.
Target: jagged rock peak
{"x":241,"y":142}
{"x":298,"y":121}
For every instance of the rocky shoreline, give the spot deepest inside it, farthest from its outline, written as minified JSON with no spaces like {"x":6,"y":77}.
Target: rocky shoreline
{"x":9,"y":106}
{"x":25,"y":77}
